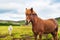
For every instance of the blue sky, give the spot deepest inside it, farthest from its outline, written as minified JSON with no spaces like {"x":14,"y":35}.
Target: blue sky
{"x":15,"y":9}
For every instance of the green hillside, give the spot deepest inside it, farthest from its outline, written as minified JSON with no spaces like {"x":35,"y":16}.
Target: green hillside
{"x":9,"y":22}
{"x":58,"y":20}
{"x":17,"y":23}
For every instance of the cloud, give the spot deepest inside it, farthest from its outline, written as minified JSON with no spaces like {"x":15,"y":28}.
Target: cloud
{"x":10,"y":5}
{"x":11,"y":11}
{"x":44,"y":9}
{"x":11,"y":16}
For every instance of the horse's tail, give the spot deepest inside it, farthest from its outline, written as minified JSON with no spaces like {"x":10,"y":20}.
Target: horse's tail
{"x":56,"y":28}
{"x":56,"y":23}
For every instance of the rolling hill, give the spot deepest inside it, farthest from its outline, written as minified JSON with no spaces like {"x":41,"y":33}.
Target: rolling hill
{"x":9,"y":22}
{"x":18,"y":23}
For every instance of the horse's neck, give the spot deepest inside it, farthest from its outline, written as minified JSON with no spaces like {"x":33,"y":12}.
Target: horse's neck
{"x":35,"y":20}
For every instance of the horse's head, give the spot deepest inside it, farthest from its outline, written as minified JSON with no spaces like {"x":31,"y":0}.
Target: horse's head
{"x":29,"y":15}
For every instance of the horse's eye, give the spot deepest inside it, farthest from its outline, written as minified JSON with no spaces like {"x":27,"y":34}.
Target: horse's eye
{"x":30,"y":14}
{"x":33,"y":14}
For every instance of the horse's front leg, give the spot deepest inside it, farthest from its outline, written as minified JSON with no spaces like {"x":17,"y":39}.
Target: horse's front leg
{"x":40,"y":36}
{"x":35,"y":35}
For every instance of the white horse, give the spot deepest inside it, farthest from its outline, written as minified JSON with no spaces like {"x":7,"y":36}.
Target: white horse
{"x":10,"y":28}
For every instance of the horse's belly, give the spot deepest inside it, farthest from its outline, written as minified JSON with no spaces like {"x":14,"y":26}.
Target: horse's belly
{"x":47,"y":32}
{"x":49,"y":29}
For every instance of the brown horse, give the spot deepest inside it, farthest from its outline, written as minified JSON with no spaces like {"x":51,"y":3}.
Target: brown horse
{"x":40,"y":26}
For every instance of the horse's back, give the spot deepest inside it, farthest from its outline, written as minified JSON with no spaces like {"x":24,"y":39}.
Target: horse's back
{"x":53,"y":21}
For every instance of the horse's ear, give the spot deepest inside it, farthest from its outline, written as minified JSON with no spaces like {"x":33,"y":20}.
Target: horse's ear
{"x":31,"y":9}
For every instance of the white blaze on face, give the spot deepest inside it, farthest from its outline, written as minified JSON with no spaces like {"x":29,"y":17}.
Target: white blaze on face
{"x":28,"y":21}
{"x":10,"y":28}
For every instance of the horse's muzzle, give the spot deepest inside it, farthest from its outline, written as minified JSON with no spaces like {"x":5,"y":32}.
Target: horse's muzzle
{"x":26,"y":23}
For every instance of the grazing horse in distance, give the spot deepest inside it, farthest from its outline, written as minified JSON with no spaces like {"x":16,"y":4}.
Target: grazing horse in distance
{"x":40,"y":26}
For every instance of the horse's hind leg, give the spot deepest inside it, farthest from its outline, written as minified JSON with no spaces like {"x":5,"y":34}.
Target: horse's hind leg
{"x":55,"y":35}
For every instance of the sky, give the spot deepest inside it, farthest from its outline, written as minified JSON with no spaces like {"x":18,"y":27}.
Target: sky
{"x":15,"y":9}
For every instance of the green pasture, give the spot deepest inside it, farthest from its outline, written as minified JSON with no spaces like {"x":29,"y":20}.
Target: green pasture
{"x":19,"y":32}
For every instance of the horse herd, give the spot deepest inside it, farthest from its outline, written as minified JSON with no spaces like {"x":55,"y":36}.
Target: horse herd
{"x":40,"y":26}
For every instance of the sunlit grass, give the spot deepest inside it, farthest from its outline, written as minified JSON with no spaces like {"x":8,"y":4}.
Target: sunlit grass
{"x":17,"y":32}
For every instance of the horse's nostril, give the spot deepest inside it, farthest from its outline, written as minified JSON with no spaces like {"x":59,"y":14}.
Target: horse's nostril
{"x":26,"y":23}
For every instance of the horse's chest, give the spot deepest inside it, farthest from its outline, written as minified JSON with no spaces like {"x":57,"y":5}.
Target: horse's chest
{"x":37,"y":29}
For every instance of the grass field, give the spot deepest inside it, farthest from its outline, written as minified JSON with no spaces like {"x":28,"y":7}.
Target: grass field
{"x":18,"y":32}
